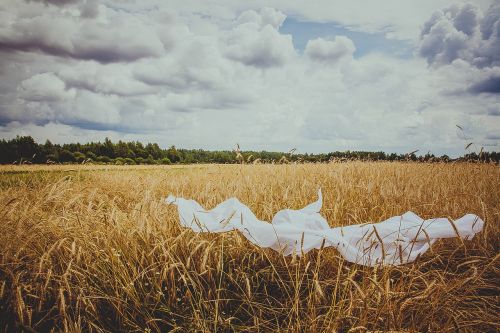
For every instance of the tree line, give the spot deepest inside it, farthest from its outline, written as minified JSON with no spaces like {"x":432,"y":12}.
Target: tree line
{"x":24,"y":150}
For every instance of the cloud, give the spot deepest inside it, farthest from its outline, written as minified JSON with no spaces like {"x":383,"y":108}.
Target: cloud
{"x":489,"y":23}
{"x":493,"y":136}
{"x":197,"y":64}
{"x":489,"y":85}
{"x":263,"y":17}
{"x":87,"y":8}
{"x":323,"y":50}
{"x":494,"y":111}
{"x":56,"y":2}
{"x":466,"y":19}
{"x":114,"y":37}
{"x":45,"y":87}
{"x":255,"y":41}
{"x":462,"y":33}
{"x":111,"y":79}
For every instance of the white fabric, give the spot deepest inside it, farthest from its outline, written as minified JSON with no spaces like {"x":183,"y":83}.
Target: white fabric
{"x":397,"y":240}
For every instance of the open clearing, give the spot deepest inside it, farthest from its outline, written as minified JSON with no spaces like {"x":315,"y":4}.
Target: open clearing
{"x":95,"y":248}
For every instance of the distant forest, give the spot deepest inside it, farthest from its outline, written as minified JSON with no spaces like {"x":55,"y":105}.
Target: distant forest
{"x":24,"y":150}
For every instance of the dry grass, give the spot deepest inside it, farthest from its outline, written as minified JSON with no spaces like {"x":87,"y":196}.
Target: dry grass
{"x":96,"y":249}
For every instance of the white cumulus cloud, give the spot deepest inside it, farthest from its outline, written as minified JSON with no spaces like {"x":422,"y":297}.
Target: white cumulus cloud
{"x":330,"y":51}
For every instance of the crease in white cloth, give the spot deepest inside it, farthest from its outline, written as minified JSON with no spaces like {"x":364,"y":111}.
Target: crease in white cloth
{"x":395,"y":241}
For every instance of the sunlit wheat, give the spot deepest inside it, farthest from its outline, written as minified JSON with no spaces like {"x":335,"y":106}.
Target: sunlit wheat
{"x":95,"y":248}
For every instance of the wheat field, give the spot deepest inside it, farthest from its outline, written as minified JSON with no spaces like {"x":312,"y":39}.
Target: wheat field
{"x":96,"y":249}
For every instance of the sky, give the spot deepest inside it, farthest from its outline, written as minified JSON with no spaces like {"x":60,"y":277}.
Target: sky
{"x":319,"y":76}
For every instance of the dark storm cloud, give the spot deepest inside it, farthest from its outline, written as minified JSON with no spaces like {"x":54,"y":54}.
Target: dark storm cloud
{"x":462,"y":33}
{"x":490,"y":85}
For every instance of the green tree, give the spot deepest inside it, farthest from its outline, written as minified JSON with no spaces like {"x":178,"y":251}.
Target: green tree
{"x":173,"y":155}
{"x":119,"y":161}
{"x":108,"y":148}
{"x":91,"y":155}
{"x":66,"y":156}
{"x":104,"y":159}
{"x":165,"y":161}
{"x":78,"y":157}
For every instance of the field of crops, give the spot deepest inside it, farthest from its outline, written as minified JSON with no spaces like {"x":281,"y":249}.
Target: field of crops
{"x":95,"y":248}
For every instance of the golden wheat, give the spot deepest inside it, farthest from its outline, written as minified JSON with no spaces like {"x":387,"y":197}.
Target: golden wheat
{"x":94,"y":248}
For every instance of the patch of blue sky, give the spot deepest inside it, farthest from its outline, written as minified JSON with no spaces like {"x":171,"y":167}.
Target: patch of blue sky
{"x":365,"y":42}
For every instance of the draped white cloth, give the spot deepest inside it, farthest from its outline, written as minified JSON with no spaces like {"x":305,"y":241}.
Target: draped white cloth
{"x":397,"y":240}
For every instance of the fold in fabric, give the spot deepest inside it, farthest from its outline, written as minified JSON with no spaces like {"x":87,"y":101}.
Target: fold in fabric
{"x":395,"y":241}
